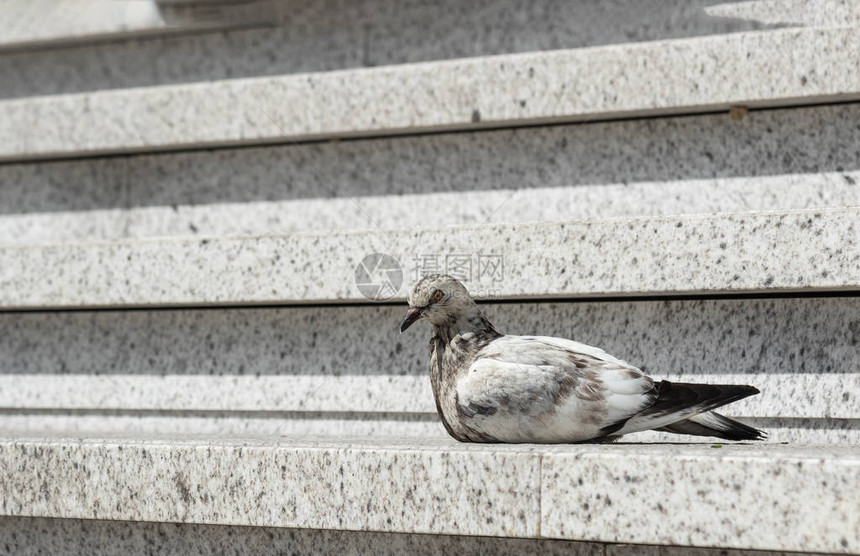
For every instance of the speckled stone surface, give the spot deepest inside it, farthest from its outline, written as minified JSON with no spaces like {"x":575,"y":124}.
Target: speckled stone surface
{"x":440,"y":486}
{"x":730,"y":497}
{"x":42,"y":21}
{"x":285,"y":367}
{"x":29,"y":24}
{"x":233,"y":424}
{"x":789,"y":67}
{"x":771,"y":160}
{"x":360,"y":485}
{"x":25,"y":536}
{"x":31,"y":536}
{"x":321,"y":35}
{"x":241,"y":424}
{"x":643,"y":550}
{"x":820,"y":13}
{"x":797,"y":396}
{"x":754,"y":252}
{"x":439,"y":209}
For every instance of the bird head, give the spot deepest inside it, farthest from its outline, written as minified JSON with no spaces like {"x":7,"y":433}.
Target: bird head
{"x":437,"y":298}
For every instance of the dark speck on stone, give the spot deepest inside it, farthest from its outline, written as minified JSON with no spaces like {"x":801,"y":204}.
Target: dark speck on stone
{"x":476,"y":115}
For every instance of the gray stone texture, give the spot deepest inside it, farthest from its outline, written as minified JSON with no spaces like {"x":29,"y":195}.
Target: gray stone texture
{"x":360,"y":484}
{"x":324,"y":35}
{"x":287,"y":424}
{"x":702,"y":499}
{"x":332,"y":370}
{"x":807,"y":496}
{"x":42,"y":536}
{"x":35,"y":24}
{"x":320,"y":417}
{"x":725,"y":253}
{"x":760,"y":69}
{"x":771,"y":160}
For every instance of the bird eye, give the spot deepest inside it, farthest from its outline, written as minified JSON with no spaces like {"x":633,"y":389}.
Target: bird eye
{"x":437,"y":296}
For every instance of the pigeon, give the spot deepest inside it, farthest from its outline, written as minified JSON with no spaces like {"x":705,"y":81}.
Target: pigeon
{"x":491,"y":387}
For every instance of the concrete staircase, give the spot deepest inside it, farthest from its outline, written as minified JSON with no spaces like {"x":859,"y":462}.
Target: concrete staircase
{"x":188,"y":364}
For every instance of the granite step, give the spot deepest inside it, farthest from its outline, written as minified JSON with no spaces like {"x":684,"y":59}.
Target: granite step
{"x":336,"y":369}
{"x":32,"y":24}
{"x":773,"y":252}
{"x":785,"y":67}
{"x":771,"y":160}
{"x":801,"y":498}
{"x":323,"y":35}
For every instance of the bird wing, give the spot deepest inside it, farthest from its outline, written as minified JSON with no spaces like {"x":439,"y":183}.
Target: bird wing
{"x":542,"y":389}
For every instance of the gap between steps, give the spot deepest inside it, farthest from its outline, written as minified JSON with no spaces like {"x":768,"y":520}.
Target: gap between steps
{"x":428,"y":417}
{"x":508,"y":301}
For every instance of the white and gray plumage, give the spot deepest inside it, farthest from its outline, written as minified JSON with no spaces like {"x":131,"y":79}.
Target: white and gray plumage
{"x":495,"y":388}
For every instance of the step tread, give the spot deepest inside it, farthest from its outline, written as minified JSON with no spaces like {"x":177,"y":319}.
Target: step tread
{"x":27,"y":25}
{"x":813,"y":395}
{"x":659,"y":494}
{"x":784,"y":67}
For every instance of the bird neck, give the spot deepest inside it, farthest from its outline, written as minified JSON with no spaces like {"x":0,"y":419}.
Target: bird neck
{"x":452,"y":347}
{"x":472,"y":326}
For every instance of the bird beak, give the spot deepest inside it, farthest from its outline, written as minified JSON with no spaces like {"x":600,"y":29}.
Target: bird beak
{"x":412,"y":315}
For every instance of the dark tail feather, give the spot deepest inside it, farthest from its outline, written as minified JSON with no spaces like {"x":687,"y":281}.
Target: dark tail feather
{"x":674,"y":402}
{"x":678,"y":397}
{"x":714,"y":424}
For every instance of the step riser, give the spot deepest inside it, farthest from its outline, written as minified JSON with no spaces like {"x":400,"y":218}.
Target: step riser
{"x":640,"y":153}
{"x":774,"y":160}
{"x":798,"y":351}
{"x":443,"y":209}
{"x":658,"y":78}
{"x":742,"y":253}
{"x":333,"y":34}
{"x":26,"y":536}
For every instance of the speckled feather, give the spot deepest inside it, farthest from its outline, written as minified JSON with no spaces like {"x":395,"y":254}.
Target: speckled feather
{"x":491,"y":387}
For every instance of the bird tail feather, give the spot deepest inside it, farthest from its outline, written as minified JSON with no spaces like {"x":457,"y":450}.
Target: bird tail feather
{"x":678,"y":401}
{"x":714,"y":424}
